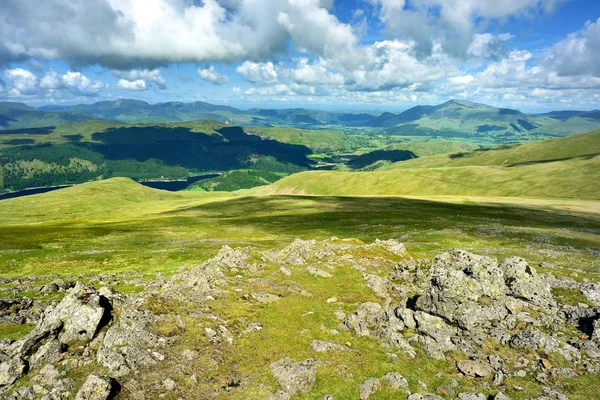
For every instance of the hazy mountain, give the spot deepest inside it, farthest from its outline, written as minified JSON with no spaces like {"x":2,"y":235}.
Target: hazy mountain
{"x":465,"y":119}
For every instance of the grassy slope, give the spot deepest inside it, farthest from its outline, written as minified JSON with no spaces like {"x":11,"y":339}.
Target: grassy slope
{"x":138,"y":228}
{"x":557,"y":168}
{"x":315,"y":140}
{"x":433,"y":147}
{"x":587,"y":144}
{"x":577,"y":179}
{"x":105,"y":200}
{"x":118,"y":225}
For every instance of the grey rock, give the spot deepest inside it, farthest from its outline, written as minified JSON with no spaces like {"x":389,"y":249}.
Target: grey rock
{"x":524,"y":282}
{"x":436,"y":334}
{"x":395,"y":380}
{"x":368,"y":388}
{"x":465,"y":289}
{"x":47,"y":353}
{"x":317,"y":272}
{"x":321,"y":346}
{"x":367,"y":320}
{"x":264,"y":298}
{"x":295,"y":377}
{"x":96,"y":387}
{"x":424,"y":396}
{"x":406,"y":315}
{"x":12,"y":370}
{"x":128,"y":344}
{"x":472,"y":396}
{"x":377,"y":284}
{"x":169,"y":384}
{"x":501,"y":396}
{"x":592,"y":292}
{"x":297,"y":253}
{"x":474,"y":368}
{"x":391,"y":245}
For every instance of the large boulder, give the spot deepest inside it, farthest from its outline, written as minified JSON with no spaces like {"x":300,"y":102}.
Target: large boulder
{"x":465,"y":289}
{"x":78,"y":316}
{"x":295,"y":377}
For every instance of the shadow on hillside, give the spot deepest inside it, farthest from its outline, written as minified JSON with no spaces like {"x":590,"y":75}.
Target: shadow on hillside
{"x":380,"y":155}
{"x":550,"y":160}
{"x":29,"y":131}
{"x":178,"y":146}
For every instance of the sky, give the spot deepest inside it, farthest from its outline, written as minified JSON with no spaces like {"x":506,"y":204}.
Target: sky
{"x":534,"y":55}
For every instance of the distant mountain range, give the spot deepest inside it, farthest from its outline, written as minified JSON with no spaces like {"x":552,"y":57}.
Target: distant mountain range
{"x":451,"y":119}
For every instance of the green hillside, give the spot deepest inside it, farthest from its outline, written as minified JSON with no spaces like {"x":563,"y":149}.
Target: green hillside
{"x":557,"y":168}
{"x":467,"y":119}
{"x":317,"y":140}
{"x":582,"y":145}
{"x":235,"y":180}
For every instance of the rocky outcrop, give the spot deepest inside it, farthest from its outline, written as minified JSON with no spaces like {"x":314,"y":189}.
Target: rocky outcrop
{"x":465,"y":289}
{"x":128,"y":345}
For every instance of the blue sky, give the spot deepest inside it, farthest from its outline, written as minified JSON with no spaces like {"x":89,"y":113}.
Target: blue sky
{"x":536,"y":55}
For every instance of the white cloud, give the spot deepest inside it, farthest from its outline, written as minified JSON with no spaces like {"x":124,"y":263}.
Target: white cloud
{"x":24,"y":81}
{"x":150,"y":77}
{"x":487,"y":45}
{"x":212,"y":76}
{"x":579,"y":53}
{"x":126,"y":33}
{"x":261,"y":73}
{"x":80,"y":84}
{"x":452,"y":21}
{"x":51,"y":81}
{"x":135,"y":85}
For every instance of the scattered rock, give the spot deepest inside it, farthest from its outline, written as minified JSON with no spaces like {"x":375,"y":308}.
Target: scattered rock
{"x":264,"y":298}
{"x":368,"y":387}
{"x":395,"y":380}
{"x":472,"y":396}
{"x":321,"y":346}
{"x":424,"y":396}
{"x":476,"y":369}
{"x":295,"y":377}
{"x":317,"y":272}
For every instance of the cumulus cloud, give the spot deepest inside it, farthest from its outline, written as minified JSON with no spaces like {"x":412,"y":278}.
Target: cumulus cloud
{"x":131,"y":79}
{"x":489,"y":46}
{"x":261,"y":73}
{"x":453,"y":21}
{"x":579,"y":53}
{"x":25,"y":82}
{"x":135,"y":85}
{"x":128,"y":33}
{"x":211,"y":75}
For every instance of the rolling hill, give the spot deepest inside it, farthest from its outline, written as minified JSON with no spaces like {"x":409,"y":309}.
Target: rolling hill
{"x":462,"y":119}
{"x":558,"y":168}
{"x":467,"y":119}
